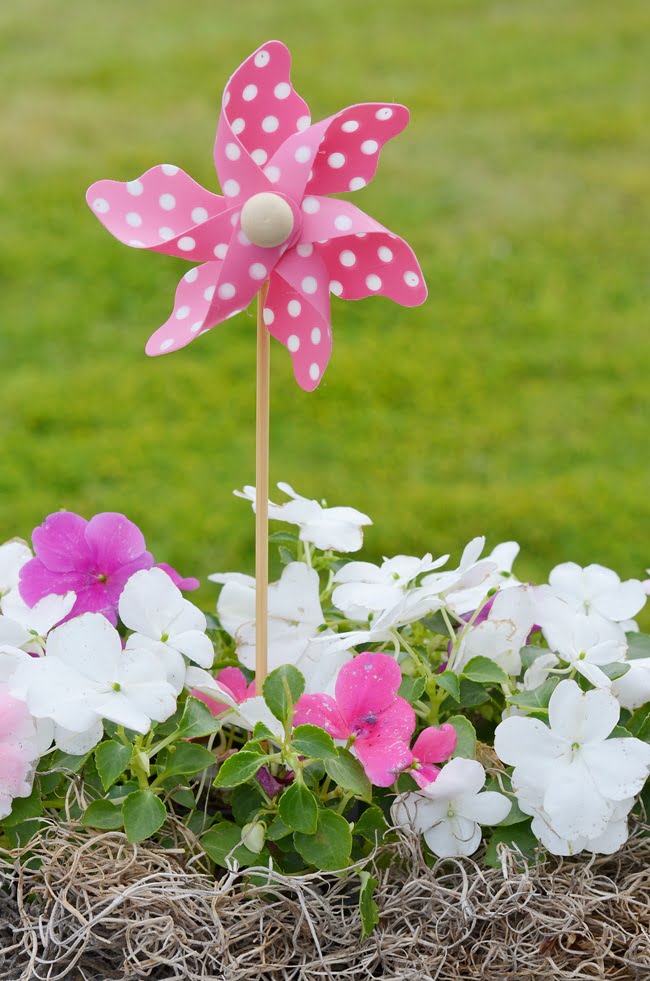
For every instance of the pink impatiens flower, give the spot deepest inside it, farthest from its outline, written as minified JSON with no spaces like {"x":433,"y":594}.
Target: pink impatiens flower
{"x":433,"y":745}
{"x":235,"y":683}
{"x":276,"y":222}
{"x":368,"y":711}
{"x":17,"y":751}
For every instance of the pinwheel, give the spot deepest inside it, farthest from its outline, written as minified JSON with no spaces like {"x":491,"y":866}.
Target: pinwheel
{"x":275,"y":231}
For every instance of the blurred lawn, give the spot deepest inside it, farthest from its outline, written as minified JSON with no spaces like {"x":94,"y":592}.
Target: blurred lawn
{"x":515,"y":402}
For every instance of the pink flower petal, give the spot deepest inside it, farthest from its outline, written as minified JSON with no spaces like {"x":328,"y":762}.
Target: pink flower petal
{"x":192,"y":302}
{"x":114,"y":541}
{"x":435,"y":744}
{"x":164,"y":210}
{"x":297,"y":313}
{"x":260,"y":106}
{"x":321,"y":710}
{"x":60,"y":543}
{"x":384,"y":752}
{"x":118,"y":579}
{"x":15,"y":720}
{"x":348,"y":156}
{"x":428,"y":773}
{"x":186,"y":583}
{"x":234,"y":680}
{"x":366,"y":687}
{"x":14,"y":770}
{"x":37,"y":581}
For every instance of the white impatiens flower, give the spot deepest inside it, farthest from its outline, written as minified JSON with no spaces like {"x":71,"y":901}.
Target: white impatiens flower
{"x":245,"y":714}
{"x":502,"y":634}
{"x":580,"y":774}
{"x":165,"y":623}
{"x":449,"y":812}
{"x":465,"y":600}
{"x":633,"y":688}
{"x":27,"y":627}
{"x":86,"y":677}
{"x":452,"y":586}
{"x":597,"y":590}
{"x":295,"y":616}
{"x":365,"y":589}
{"x":13,"y":556}
{"x":338,"y":528}
{"x":584,"y":642}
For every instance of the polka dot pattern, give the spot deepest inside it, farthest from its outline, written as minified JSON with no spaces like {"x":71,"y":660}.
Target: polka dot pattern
{"x":192,"y":313}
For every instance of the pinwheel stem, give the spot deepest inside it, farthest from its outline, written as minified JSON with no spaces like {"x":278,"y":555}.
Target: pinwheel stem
{"x":262,"y":494}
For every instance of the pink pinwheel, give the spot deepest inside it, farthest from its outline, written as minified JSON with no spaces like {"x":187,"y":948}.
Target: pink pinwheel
{"x":235,"y":683}
{"x":367,"y":711}
{"x":433,"y":745}
{"x":273,"y":223}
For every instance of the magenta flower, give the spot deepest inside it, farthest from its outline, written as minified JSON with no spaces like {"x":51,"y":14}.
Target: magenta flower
{"x":433,"y":745}
{"x":235,"y":683}
{"x":185,"y":583}
{"x":368,"y":711}
{"x":92,"y":558}
{"x":274,"y":222}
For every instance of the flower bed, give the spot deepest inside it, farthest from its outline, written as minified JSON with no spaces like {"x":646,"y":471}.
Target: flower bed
{"x":416,"y":714}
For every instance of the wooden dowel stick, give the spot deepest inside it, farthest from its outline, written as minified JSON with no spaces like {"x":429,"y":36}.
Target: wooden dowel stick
{"x":262,"y":494}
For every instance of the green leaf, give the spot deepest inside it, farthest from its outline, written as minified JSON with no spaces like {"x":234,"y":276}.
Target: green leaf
{"x":184,"y":797}
{"x":411,"y":689}
{"x":24,"y":809}
{"x":472,"y":694}
{"x":313,"y":742}
{"x":286,"y":556}
{"x":346,"y":771}
{"x":111,"y":759}
{"x":245,"y":801}
{"x":538,"y":698}
{"x":530,"y":654}
{"x":261,"y":732}
{"x":279,"y":537}
{"x":298,"y":808}
{"x":186,"y":759}
{"x":222,"y":843}
{"x":277,"y":829}
{"x":485,"y":671}
{"x":371,"y":825}
{"x":197,"y":720}
{"x":639,"y":723}
{"x":450,"y":681}
{"x":367,"y":905}
{"x":67,"y":762}
{"x":465,"y":737}
{"x":282,"y":689}
{"x":143,"y":814}
{"x":615,"y":670}
{"x":436,"y":623}
{"x":239,"y":768}
{"x":329,"y":849}
{"x":103,"y":814}
{"x":638,"y":645}
{"x":520,"y":837}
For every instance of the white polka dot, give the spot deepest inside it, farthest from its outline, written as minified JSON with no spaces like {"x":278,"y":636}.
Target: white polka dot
{"x":315,"y":335}
{"x":309,"y":284}
{"x":336,"y":288}
{"x":249,"y":93}
{"x":186,"y":243}
{"x":232,"y":151}
{"x":135,"y":188}
{"x":347,"y":258}
{"x":357,"y":183}
{"x":302,"y":154}
{"x":257,"y":270}
{"x":270,"y":124}
{"x":197,"y":326}
{"x":282,"y":90}
{"x":166,"y":233}
{"x":191,"y":275}
{"x":234,"y":218}
{"x":343,"y":223}
{"x":136,"y":243}
{"x":260,"y":156}
{"x":262,"y":58}
{"x":242,"y":237}
{"x":269,"y":316}
{"x":208,"y":293}
{"x":369,"y":146}
{"x":385,"y":253}
{"x":384,"y":113}
{"x":305,"y":249}
{"x":336,"y":160}
{"x":293,"y":343}
{"x":101,"y":205}
{"x":226,"y":97}
{"x":360,"y":234}
{"x":310,"y":206}
{"x":199,"y":215}
{"x":167,"y":202}
{"x":350,"y":125}
{"x":373,"y":282}
{"x":273,"y":174}
{"x":303,"y":123}
{"x":165,"y":346}
{"x":294,"y":308}
{"x":169,"y":169}
{"x":182,"y":313}
{"x":231,"y":188}
{"x":221,"y":250}
{"x":226,"y":291}
{"x":411,"y":278}
{"x":133,"y":219}
{"x":314,"y":372}
{"x":238,"y":126}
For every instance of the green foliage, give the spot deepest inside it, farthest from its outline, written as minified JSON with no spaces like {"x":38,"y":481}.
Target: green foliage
{"x":519,"y":838}
{"x":143,"y":815}
{"x":222,"y":843}
{"x":411,"y":689}
{"x":299,"y":809}
{"x":465,"y":737}
{"x":282,"y":689}
{"x":104,"y":814}
{"x":348,"y":773}
{"x":313,"y":742}
{"x":197,"y":720}
{"x":186,"y":759}
{"x":111,"y":759}
{"x":537,"y":699}
{"x":485,"y":671}
{"x":238,"y":768}
{"x":367,"y":905}
{"x":330,"y":847}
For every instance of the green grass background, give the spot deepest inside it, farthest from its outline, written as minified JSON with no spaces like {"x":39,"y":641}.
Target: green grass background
{"x":514,"y":403}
